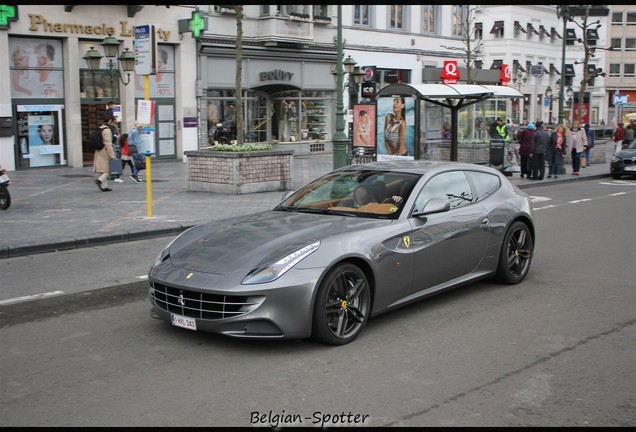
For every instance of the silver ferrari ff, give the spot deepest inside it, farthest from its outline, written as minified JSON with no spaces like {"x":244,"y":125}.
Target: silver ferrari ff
{"x":357,"y":242}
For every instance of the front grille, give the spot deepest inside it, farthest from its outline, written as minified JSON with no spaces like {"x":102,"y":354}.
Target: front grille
{"x":201,"y":305}
{"x":629,"y":162}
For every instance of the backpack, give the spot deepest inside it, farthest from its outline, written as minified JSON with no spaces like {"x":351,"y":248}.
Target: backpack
{"x":96,"y":140}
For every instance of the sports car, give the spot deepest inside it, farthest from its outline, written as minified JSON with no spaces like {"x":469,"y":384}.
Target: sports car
{"x":359,"y":241}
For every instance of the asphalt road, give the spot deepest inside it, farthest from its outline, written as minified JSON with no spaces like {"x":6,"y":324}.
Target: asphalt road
{"x":556,"y":350}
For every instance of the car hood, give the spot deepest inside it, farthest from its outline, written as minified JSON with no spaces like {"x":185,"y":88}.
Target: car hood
{"x":626,"y":153}
{"x":243,"y":243}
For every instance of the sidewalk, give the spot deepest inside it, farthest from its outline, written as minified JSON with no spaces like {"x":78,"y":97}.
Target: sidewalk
{"x":61,"y":208}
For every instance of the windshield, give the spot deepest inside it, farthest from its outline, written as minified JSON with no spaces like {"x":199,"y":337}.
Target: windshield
{"x":365,"y":193}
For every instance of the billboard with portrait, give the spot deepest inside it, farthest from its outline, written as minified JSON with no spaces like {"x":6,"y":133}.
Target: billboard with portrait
{"x":36,"y":68}
{"x":364,"y":125}
{"x":395,"y":122}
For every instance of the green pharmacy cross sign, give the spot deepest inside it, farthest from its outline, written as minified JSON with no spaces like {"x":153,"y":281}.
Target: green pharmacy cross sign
{"x":7,"y":14}
{"x":197,"y":24}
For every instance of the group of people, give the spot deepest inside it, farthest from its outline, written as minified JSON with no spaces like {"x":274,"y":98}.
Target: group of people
{"x":128,"y":146}
{"x":624,"y":134}
{"x":537,"y":143}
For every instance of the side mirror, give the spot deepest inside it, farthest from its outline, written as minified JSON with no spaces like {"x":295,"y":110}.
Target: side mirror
{"x":434,"y":205}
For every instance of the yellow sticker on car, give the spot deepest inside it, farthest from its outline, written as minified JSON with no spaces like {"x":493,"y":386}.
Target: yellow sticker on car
{"x":406,"y":240}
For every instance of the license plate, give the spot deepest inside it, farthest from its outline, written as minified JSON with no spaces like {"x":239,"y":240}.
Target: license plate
{"x":630,"y":168}
{"x":183,"y":322}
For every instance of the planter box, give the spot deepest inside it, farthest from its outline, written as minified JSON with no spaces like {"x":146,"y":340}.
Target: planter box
{"x":241,"y":172}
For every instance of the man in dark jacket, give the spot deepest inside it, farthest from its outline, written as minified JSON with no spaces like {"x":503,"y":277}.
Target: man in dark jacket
{"x":525,"y":145}
{"x":538,"y":150}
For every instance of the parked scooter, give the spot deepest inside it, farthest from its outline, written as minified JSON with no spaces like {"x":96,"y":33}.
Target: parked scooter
{"x":5,"y":197}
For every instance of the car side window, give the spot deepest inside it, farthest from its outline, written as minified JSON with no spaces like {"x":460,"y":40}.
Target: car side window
{"x":452,"y":186}
{"x":485,"y":184}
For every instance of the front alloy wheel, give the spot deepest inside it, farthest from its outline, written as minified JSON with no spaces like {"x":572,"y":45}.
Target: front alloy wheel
{"x":516,"y":254}
{"x":342,"y":305}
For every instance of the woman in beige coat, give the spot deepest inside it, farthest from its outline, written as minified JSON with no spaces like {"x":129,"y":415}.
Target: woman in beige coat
{"x":103,"y":156}
{"x":579,"y":143}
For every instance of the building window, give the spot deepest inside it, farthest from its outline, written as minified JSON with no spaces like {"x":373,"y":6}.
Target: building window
{"x":516,"y":66}
{"x":459,"y":17}
{"x":361,"y":15}
{"x":384,"y":77}
{"x":531,"y":30}
{"x":479,"y":64}
{"x":615,"y":70}
{"x":631,"y":18}
{"x":617,"y":18}
{"x":543,"y":32}
{"x":479,"y":31}
{"x":321,"y":10}
{"x":498,"y":29}
{"x":570,"y":36}
{"x":630,"y":44}
{"x":428,"y":19}
{"x":496,"y":64}
{"x":628,"y":71}
{"x":396,"y":17}
{"x":616,"y":44}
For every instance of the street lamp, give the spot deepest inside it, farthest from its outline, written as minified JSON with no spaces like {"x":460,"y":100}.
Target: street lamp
{"x":111,"y":49}
{"x":548,"y":95}
{"x":340,"y":140}
{"x":356,"y":76}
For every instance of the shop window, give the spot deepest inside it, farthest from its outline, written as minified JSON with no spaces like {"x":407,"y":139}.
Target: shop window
{"x":162,"y":84}
{"x":385,"y":77}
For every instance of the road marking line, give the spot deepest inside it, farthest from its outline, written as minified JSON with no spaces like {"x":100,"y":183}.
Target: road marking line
{"x":544,"y":207}
{"x":619,"y":193}
{"x":580,"y":201}
{"x":539,"y":199}
{"x":143,"y":277}
{"x":31,"y":297}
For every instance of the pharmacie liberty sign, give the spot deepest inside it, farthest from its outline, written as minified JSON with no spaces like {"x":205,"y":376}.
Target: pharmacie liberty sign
{"x":40,"y":24}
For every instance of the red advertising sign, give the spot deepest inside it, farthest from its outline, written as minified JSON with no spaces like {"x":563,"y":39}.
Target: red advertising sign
{"x":504,"y":75}
{"x":450,"y":72}
{"x":585,"y":113}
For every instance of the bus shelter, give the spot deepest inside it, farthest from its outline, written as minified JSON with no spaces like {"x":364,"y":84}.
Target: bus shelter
{"x":436,"y":121}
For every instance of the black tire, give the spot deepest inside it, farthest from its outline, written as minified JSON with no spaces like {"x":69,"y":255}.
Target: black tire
{"x":5,"y":199}
{"x":516,"y":254}
{"x":342,"y":305}
{"x":616,"y":176}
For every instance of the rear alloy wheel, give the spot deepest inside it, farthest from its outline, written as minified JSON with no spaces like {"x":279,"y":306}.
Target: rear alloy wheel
{"x":342,"y":305}
{"x":516,"y":254}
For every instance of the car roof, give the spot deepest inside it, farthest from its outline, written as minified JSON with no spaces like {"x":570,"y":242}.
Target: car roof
{"x":418,"y":166}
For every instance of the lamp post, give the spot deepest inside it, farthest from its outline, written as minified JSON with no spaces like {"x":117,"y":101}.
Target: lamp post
{"x":548,"y":95}
{"x":340,"y":141}
{"x":111,"y":49}
{"x":563,"y":12}
{"x":519,"y":79}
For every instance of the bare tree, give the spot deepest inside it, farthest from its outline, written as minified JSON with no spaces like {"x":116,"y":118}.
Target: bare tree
{"x":472,"y":45}
{"x":589,"y":50}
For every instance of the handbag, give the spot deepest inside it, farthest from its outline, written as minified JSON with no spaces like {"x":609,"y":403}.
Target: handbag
{"x":115,"y":166}
{"x":530,"y":165}
{"x":141,"y":165}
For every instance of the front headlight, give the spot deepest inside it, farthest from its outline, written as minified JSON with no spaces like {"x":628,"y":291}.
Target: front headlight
{"x":615,"y":159}
{"x":273,"y":271}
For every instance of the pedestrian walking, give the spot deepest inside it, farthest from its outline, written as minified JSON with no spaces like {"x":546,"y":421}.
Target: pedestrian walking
{"x":538,"y":149}
{"x":557,"y":147}
{"x":102,"y":157}
{"x":579,"y":141}
{"x":134,"y":142}
{"x":619,"y":137}
{"x":525,"y":146}
{"x":590,"y":144}
{"x":629,"y":134}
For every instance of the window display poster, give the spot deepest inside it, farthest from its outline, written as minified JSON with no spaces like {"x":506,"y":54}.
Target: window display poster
{"x":36,"y":68}
{"x":162,"y":83}
{"x":42,"y":140}
{"x":364,"y":125}
{"x":395,"y":128}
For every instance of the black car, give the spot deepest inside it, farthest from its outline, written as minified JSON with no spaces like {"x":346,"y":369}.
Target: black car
{"x":624,"y":162}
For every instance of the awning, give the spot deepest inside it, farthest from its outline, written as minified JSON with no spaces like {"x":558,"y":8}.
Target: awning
{"x":553,"y":69}
{"x":592,"y":34}
{"x":532,"y":29}
{"x":543,"y":31}
{"x":497,"y":28}
{"x":519,"y":27}
{"x":516,"y":66}
{"x":569,"y":71}
{"x":496,"y":64}
{"x":554,"y":33}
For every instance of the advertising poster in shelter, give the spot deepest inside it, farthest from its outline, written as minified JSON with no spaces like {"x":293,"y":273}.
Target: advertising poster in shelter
{"x":37,"y":69}
{"x":364,"y":118}
{"x":395,"y":128}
